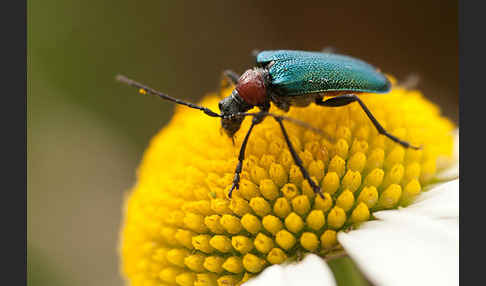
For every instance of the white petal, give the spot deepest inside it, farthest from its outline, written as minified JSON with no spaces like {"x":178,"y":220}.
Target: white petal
{"x":441,"y":201}
{"x":312,"y":270}
{"x":273,"y":275}
{"x":405,"y":249}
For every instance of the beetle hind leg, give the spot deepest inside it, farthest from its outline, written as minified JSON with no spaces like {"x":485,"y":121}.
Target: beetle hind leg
{"x":346,"y":99}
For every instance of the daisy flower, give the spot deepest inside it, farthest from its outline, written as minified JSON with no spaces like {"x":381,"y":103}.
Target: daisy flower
{"x":382,"y":204}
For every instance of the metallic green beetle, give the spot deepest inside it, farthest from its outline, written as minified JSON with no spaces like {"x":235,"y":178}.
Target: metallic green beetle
{"x":291,"y":78}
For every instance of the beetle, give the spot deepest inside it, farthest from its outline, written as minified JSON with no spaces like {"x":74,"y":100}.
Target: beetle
{"x":289,"y":78}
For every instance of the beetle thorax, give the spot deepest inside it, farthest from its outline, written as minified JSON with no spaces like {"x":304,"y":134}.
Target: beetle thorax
{"x":251,"y":86}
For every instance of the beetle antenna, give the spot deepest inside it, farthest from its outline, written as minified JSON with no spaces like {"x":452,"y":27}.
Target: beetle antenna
{"x":145,"y":89}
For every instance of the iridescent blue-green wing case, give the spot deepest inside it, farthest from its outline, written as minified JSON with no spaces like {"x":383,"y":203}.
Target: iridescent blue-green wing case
{"x":298,"y":72}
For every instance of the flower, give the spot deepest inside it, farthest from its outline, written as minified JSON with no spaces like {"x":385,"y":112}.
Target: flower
{"x":181,"y":229}
{"x":417,"y":245}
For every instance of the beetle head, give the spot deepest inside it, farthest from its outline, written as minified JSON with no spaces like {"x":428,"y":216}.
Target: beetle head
{"x":229,"y":107}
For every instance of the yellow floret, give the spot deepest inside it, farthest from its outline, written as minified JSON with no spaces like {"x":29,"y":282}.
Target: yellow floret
{"x":282,"y":207}
{"x":201,"y":242}
{"x":220,"y":206}
{"x":184,"y":237}
{"x":233,"y":264}
{"x":357,"y":162}
{"x":369,"y":196}
{"x":301,"y":205}
{"x":177,"y":256}
{"x":375,"y":159}
{"x":195,"y":222}
{"x":263,"y":243}
{"x":294,"y":222}
{"x":269,"y":189}
{"x":239,"y":206}
{"x":323,"y":204}
{"x":360,"y":214}
{"x":390,"y":197}
{"x":276,"y":256}
{"x":260,"y":206}
{"x":290,"y":191}
{"x":169,"y":274}
{"x":316,"y":169}
{"x":253,"y":263}
{"x":195,"y":262}
{"x":309,"y":241}
{"x":411,"y":190}
{"x":285,"y":239}
{"x":241,"y":243}
{"x":272,"y":224}
{"x":205,"y":279}
{"x":248,"y":189}
{"x":337,"y":165}
{"x":251,"y":223}
{"x":330,"y":183}
{"x":228,"y":280}
{"x":336,"y":217}
{"x":186,"y":279}
{"x":221,"y":243}
{"x":351,"y":181}
{"x":374,"y":178}
{"x":214,"y":264}
{"x":341,"y":148}
{"x":231,"y":224}
{"x":315,"y":220}
{"x":278,"y":174}
{"x":328,"y":239}
{"x":180,"y":227}
{"x":212,"y":222}
{"x":345,"y":200}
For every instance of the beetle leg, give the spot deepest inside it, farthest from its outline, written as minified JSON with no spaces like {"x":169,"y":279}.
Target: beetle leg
{"x":346,"y":99}
{"x":236,"y":179}
{"x":228,"y":78}
{"x":279,"y":101}
{"x":255,"y":53}
{"x":231,"y":76}
{"x":297,"y":160}
{"x":329,"y":50}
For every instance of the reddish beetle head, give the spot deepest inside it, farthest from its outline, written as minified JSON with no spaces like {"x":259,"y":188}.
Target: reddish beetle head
{"x":249,"y":91}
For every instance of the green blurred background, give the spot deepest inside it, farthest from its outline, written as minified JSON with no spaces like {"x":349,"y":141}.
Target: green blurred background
{"x":87,"y":133}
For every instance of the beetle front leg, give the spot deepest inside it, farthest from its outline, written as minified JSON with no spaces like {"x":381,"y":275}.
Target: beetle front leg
{"x":346,"y":99}
{"x":227,"y":78}
{"x":241,"y":156}
{"x":231,"y":76}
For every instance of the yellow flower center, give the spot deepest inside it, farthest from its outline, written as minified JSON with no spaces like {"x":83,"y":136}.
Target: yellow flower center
{"x":181,"y":229}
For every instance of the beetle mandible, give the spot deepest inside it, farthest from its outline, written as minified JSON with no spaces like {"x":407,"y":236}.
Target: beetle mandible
{"x":290,"y":78}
